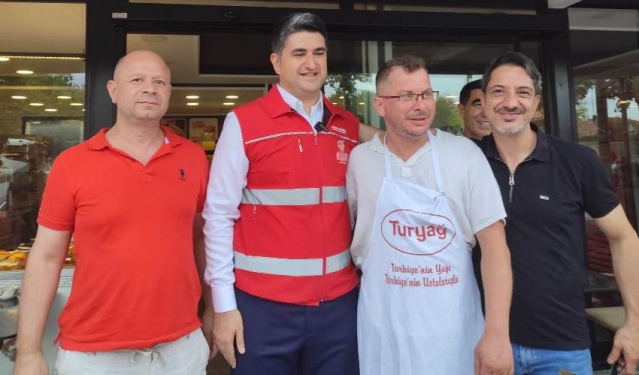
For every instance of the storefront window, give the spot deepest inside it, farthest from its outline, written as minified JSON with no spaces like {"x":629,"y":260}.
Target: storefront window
{"x":605,"y":51}
{"x":41,"y":107}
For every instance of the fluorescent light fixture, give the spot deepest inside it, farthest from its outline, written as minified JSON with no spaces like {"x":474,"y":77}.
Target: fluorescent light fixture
{"x":193,"y":104}
{"x":18,"y":97}
{"x":362,"y":103}
{"x":450,"y":96}
{"x":192,"y":96}
{"x":4,"y":58}
{"x":76,"y":104}
{"x":64,"y":97}
{"x":36,"y":104}
{"x":232,"y":97}
{"x":24,"y":71}
{"x":50,"y":110}
{"x":228,"y":103}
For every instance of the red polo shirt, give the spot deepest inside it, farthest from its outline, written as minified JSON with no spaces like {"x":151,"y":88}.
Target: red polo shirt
{"x":135,"y":283}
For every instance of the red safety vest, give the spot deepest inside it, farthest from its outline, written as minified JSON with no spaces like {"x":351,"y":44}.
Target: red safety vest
{"x":292,"y":239}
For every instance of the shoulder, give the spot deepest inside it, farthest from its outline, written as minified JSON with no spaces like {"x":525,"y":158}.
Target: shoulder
{"x":363,"y":152}
{"x":457,"y":144}
{"x":571,"y":152}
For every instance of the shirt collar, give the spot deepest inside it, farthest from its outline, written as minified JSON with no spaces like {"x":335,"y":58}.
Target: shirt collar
{"x":99,"y":141}
{"x":541,"y":152}
{"x":317,"y":110}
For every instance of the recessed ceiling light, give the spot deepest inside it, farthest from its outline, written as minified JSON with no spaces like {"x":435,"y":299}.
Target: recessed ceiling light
{"x":232,"y":96}
{"x":228,"y":103}
{"x":4,"y":59}
{"x":76,"y":104}
{"x":24,"y":71}
{"x":18,"y":97}
{"x":36,"y":104}
{"x":192,"y":104}
{"x":65,"y":97}
{"x":192,"y":96}
{"x":51,"y":110}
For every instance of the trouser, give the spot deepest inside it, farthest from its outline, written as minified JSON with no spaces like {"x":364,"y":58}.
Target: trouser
{"x":286,"y":339}
{"x":533,"y":361}
{"x":187,"y":355}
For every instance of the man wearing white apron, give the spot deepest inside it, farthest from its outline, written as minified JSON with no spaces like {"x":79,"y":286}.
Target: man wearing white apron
{"x":419,"y":309}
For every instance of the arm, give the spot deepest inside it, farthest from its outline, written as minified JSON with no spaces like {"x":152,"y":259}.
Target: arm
{"x":224,"y":194}
{"x":39,"y":287}
{"x":493,"y":354}
{"x":367,"y":132}
{"x":624,"y":246}
{"x":200,"y":263}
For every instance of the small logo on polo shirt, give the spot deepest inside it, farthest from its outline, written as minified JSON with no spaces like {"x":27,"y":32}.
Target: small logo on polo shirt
{"x":544,"y":197}
{"x":182,"y":174}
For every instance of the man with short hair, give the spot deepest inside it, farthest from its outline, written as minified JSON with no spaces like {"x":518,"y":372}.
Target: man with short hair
{"x":277,"y":225}
{"x":131,"y":197}
{"x":476,"y":126}
{"x":419,"y":197}
{"x":548,"y":185}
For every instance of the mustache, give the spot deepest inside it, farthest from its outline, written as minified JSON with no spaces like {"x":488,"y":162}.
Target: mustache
{"x":419,"y":114}
{"x":515,"y":110}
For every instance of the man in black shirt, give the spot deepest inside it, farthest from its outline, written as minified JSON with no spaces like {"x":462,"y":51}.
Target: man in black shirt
{"x":547,"y":185}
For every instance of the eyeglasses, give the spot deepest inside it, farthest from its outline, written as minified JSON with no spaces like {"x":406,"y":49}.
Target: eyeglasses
{"x":426,"y":95}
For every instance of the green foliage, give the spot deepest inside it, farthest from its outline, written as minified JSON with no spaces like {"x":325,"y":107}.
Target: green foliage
{"x":447,"y":117}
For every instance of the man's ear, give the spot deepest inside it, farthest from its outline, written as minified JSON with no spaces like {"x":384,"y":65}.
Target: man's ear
{"x":378,"y":103}
{"x":460,"y":108}
{"x":275,"y":61}
{"x":112,"y":88}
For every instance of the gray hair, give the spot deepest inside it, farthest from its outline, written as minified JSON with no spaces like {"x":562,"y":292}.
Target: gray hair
{"x":294,"y":23}
{"x":514,"y":59}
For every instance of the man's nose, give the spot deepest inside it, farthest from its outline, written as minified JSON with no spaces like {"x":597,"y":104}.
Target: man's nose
{"x":310,"y":61}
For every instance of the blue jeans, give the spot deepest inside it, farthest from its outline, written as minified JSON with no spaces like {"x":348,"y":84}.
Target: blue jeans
{"x":531,"y":361}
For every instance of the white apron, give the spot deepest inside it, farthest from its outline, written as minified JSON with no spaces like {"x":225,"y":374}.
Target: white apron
{"x":419,"y":310}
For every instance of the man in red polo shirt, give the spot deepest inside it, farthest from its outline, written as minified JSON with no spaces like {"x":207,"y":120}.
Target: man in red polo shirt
{"x":133,"y":305}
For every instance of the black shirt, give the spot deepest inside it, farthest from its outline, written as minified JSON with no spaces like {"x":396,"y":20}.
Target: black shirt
{"x":545,"y":200}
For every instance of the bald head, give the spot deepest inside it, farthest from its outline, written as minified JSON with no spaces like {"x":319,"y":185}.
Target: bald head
{"x":135,"y":58}
{"x":141,"y":87}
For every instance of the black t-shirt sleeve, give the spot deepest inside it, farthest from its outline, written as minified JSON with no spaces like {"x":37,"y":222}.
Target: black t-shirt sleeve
{"x":599,"y":193}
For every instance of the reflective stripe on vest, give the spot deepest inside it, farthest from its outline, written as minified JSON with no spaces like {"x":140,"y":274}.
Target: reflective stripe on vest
{"x":293,"y":197}
{"x":292,"y":267}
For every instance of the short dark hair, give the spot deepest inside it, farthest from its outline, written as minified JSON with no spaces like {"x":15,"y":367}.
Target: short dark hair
{"x":514,"y":59}
{"x":464,"y":94}
{"x":293,"y":23}
{"x":409,"y":63}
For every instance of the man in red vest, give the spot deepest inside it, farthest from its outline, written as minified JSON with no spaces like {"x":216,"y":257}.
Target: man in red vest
{"x":277,"y":223}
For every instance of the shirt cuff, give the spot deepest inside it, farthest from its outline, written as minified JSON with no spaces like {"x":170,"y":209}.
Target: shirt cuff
{"x":224,"y":298}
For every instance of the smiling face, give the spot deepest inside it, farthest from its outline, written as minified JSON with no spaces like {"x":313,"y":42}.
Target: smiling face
{"x":140,"y":87}
{"x":302,"y":65}
{"x":475,"y":123}
{"x":408,"y":120}
{"x":510,"y":101}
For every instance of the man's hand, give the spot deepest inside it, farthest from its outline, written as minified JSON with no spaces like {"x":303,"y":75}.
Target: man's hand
{"x":207,"y":330}
{"x":494,"y":355}
{"x":228,"y":329}
{"x":626,"y":347}
{"x":31,"y":364}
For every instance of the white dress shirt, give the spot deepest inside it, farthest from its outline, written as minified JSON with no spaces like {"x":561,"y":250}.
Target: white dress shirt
{"x":223,"y":196}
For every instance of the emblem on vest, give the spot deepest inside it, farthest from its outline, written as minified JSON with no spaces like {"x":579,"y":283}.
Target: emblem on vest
{"x":342,"y":156}
{"x":417,"y":233}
